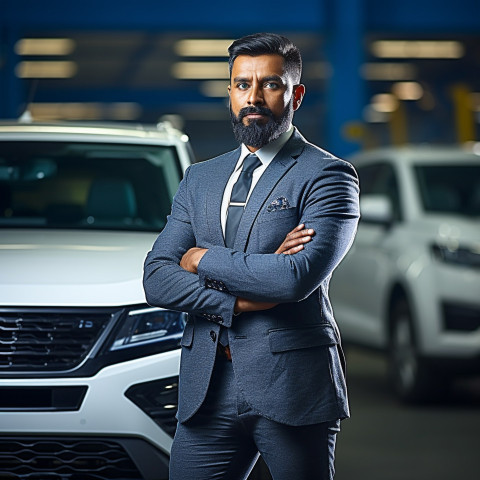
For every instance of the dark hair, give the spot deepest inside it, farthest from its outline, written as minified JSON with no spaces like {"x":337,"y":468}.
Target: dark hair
{"x":268,"y":44}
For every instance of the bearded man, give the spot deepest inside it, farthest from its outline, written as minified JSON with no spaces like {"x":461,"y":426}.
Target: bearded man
{"x":248,"y":251}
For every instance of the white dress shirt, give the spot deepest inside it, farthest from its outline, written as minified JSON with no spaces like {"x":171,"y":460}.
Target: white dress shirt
{"x":265,"y":154}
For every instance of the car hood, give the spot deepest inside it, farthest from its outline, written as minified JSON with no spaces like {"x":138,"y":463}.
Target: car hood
{"x":72,"y":268}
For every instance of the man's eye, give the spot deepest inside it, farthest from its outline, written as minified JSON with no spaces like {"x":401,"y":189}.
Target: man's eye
{"x":271,"y":85}
{"x":242,"y":86}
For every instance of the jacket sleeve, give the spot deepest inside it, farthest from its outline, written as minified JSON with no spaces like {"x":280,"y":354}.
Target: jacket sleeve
{"x":168,"y":285}
{"x":331,"y":209}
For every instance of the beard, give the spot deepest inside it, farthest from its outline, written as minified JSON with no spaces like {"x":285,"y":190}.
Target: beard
{"x":257,"y":134}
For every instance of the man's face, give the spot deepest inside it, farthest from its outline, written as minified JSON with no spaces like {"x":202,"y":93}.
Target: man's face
{"x":262,"y":99}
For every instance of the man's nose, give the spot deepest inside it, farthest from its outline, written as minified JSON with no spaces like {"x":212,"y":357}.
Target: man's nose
{"x":256,"y":95}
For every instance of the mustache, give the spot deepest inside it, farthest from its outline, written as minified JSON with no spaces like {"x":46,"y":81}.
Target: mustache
{"x":259,"y":110}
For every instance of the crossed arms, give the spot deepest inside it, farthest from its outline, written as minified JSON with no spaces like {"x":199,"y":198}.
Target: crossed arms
{"x":292,"y":244}
{"x":330,"y":209}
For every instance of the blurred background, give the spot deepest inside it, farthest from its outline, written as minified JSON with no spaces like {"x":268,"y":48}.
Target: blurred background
{"x":377,"y":73}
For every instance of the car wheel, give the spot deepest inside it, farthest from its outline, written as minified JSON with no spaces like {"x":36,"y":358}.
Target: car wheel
{"x":412,"y":379}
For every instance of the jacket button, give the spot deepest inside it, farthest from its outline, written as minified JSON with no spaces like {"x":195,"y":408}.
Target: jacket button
{"x":213,"y":335}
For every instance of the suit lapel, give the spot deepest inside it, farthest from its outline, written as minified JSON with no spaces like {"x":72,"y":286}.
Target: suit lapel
{"x":283,"y":161}
{"x":217,"y":182}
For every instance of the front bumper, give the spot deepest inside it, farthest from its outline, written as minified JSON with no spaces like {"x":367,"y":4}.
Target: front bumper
{"x":118,"y":409}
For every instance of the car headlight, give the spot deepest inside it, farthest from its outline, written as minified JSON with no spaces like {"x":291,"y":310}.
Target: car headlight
{"x":457,"y":255}
{"x":148,"y":326}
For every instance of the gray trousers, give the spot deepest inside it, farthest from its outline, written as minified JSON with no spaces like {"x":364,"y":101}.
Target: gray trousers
{"x":225,"y":437}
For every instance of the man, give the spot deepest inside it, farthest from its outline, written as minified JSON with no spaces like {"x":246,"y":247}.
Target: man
{"x":248,"y":252}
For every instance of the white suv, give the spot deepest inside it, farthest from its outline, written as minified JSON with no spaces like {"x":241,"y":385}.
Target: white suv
{"x":410,"y":285}
{"x":88,"y":371}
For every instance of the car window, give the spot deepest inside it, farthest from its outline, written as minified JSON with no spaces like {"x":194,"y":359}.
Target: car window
{"x":380,"y":179}
{"x":87,"y":185}
{"x":450,"y":188}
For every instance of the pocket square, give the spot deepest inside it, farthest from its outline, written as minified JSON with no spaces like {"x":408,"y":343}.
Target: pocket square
{"x":281,"y":203}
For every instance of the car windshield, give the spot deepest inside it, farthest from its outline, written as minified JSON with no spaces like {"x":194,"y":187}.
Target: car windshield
{"x":86,"y":185}
{"x":450,"y":188}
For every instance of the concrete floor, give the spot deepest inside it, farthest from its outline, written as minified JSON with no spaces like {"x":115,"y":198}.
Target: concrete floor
{"x":385,"y":440}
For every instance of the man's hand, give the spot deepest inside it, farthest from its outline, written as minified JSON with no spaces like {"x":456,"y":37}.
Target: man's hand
{"x":295,"y":240}
{"x":245,"y":305}
{"x":191,"y":259}
{"x":293,"y":243}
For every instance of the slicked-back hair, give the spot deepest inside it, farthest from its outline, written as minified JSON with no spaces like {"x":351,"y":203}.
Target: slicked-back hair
{"x":268,"y":44}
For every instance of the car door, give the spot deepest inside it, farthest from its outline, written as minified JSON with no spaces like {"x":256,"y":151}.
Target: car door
{"x":360,"y":283}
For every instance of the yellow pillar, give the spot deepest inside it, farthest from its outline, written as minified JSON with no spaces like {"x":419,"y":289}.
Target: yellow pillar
{"x":398,"y":125}
{"x":464,"y":118}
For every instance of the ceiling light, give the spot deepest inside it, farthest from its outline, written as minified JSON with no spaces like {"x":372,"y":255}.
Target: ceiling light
{"x":122,"y":111}
{"x":388,"y":71}
{"x":46,"y":69}
{"x":417,"y":49}
{"x":44,"y":46}
{"x":371,"y":115}
{"x":203,"y":47}
{"x":65,"y":111}
{"x":214,"y":88}
{"x":200,"y":70}
{"x":384,"y":103}
{"x":85,"y":111}
{"x":408,"y":90}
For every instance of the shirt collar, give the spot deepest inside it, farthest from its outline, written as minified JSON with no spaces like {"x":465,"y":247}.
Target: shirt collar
{"x":268,"y":152}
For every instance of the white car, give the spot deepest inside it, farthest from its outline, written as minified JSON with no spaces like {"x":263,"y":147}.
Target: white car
{"x":410,"y":285}
{"x":88,"y":371}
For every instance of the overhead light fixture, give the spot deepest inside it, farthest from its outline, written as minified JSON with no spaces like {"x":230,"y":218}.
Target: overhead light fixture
{"x":200,"y":70}
{"x":203,"y":47}
{"x":408,"y":90}
{"x":384,"y":102}
{"x":388,"y":71}
{"x":371,"y":115}
{"x":46,"y":69}
{"x":65,"y":111}
{"x":85,"y":111}
{"x":44,"y":46}
{"x":214,"y":88}
{"x":417,"y":49}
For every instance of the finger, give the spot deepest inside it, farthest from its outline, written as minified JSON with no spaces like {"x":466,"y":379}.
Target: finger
{"x":293,"y":250}
{"x":296,"y":229}
{"x":300,"y":233}
{"x":296,"y":241}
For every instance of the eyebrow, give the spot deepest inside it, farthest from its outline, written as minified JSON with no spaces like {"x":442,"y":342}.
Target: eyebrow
{"x":269,"y":78}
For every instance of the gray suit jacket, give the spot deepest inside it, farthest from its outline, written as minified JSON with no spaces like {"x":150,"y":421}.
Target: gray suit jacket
{"x":287,"y":360}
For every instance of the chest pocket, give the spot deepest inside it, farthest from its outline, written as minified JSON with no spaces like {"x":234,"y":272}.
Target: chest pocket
{"x":278,"y":215}
{"x":271,"y":229}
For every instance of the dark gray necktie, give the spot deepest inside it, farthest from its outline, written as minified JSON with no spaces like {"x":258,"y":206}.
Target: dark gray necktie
{"x":239,"y":198}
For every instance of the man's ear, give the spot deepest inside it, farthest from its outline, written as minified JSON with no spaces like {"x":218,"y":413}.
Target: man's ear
{"x":298,"y":93}
{"x":229,"y":90}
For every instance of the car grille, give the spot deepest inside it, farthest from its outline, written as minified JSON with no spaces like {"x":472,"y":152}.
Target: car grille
{"x":65,"y":459}
{"x":36,"y":341}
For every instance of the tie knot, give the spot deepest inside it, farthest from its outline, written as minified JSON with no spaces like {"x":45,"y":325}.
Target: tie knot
{"x":250,"y":163}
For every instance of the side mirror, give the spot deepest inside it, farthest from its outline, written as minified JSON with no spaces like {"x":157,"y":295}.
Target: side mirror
{"x":376,"y":209}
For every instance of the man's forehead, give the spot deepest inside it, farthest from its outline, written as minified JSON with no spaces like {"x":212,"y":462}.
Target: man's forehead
{"x":268,"y":65}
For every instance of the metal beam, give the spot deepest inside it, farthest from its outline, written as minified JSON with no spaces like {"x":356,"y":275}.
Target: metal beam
{"x":345,"y":94}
